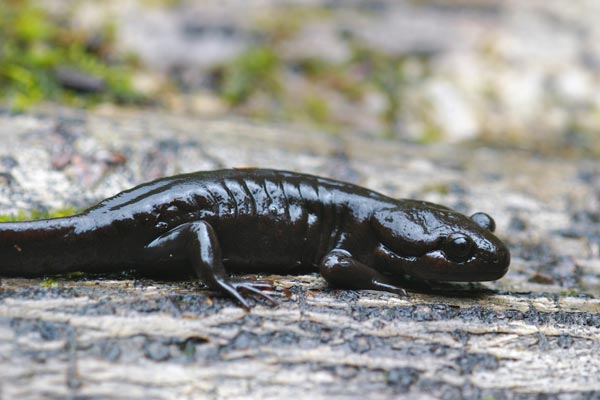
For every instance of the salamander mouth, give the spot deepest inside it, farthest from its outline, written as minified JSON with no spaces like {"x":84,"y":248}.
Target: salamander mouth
{"x":433,"y":265}
{"x":394,"y":263}
{"x":382,"y":249}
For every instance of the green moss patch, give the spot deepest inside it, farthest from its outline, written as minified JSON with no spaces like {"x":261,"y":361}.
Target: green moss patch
{"x":43,"y":58}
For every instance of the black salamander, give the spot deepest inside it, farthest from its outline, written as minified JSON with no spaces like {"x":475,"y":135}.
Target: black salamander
{"x":259,"y":220}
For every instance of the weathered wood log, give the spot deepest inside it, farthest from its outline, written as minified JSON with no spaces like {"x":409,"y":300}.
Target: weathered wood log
{"x":535,"y":332}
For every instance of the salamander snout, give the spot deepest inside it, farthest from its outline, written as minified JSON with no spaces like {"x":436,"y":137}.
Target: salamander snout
{"x":436,"y":243}
{"x":492,"y":263}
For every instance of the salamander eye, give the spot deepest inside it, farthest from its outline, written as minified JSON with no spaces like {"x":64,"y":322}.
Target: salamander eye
{"x":484,"y":221}
{"x":457,"y":247}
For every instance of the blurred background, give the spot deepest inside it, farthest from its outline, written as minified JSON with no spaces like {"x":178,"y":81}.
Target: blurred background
{"x":522,"y":74}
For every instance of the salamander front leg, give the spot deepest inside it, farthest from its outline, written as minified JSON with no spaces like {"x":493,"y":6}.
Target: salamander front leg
{"x":341,"y":270}
{"x":199,"y":241}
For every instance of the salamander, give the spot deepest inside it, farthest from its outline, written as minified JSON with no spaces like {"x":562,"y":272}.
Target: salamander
{"x":260,"y":220}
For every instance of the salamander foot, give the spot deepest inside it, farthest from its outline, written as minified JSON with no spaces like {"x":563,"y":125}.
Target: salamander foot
{"x":341,"y":270}
{"x":263,"y":288}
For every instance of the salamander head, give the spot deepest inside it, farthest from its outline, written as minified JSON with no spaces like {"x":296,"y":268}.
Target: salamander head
{"x":428,"y":241}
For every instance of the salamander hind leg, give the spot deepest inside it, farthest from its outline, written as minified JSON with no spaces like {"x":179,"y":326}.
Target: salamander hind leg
{"x":341,"y":270}
{"x":200,"y":244}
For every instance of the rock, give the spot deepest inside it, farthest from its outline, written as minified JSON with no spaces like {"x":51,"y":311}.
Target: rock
{"x":79,"y":81}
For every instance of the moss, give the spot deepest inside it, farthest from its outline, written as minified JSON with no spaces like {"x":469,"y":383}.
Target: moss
{"x":162,"y":3}
{"x":258,"y":69}
{"x":394,"y":77}
{"x":49,"y":283}
{"x":34,"y":44}
{"x":570,"y":293}
{"x":38,"y":214}
{"x":256,"y":83}
{"x":75,"y":276}
{"x":339,"y":78}
{"x":441,"y":188}
{"x":317,"y":109}
{"x":431,"y":132}
{"x":385,"y":74}
{"x":282,"y":23}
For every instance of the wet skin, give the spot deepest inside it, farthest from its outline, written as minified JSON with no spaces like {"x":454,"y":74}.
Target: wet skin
{"x":257,"y":220}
